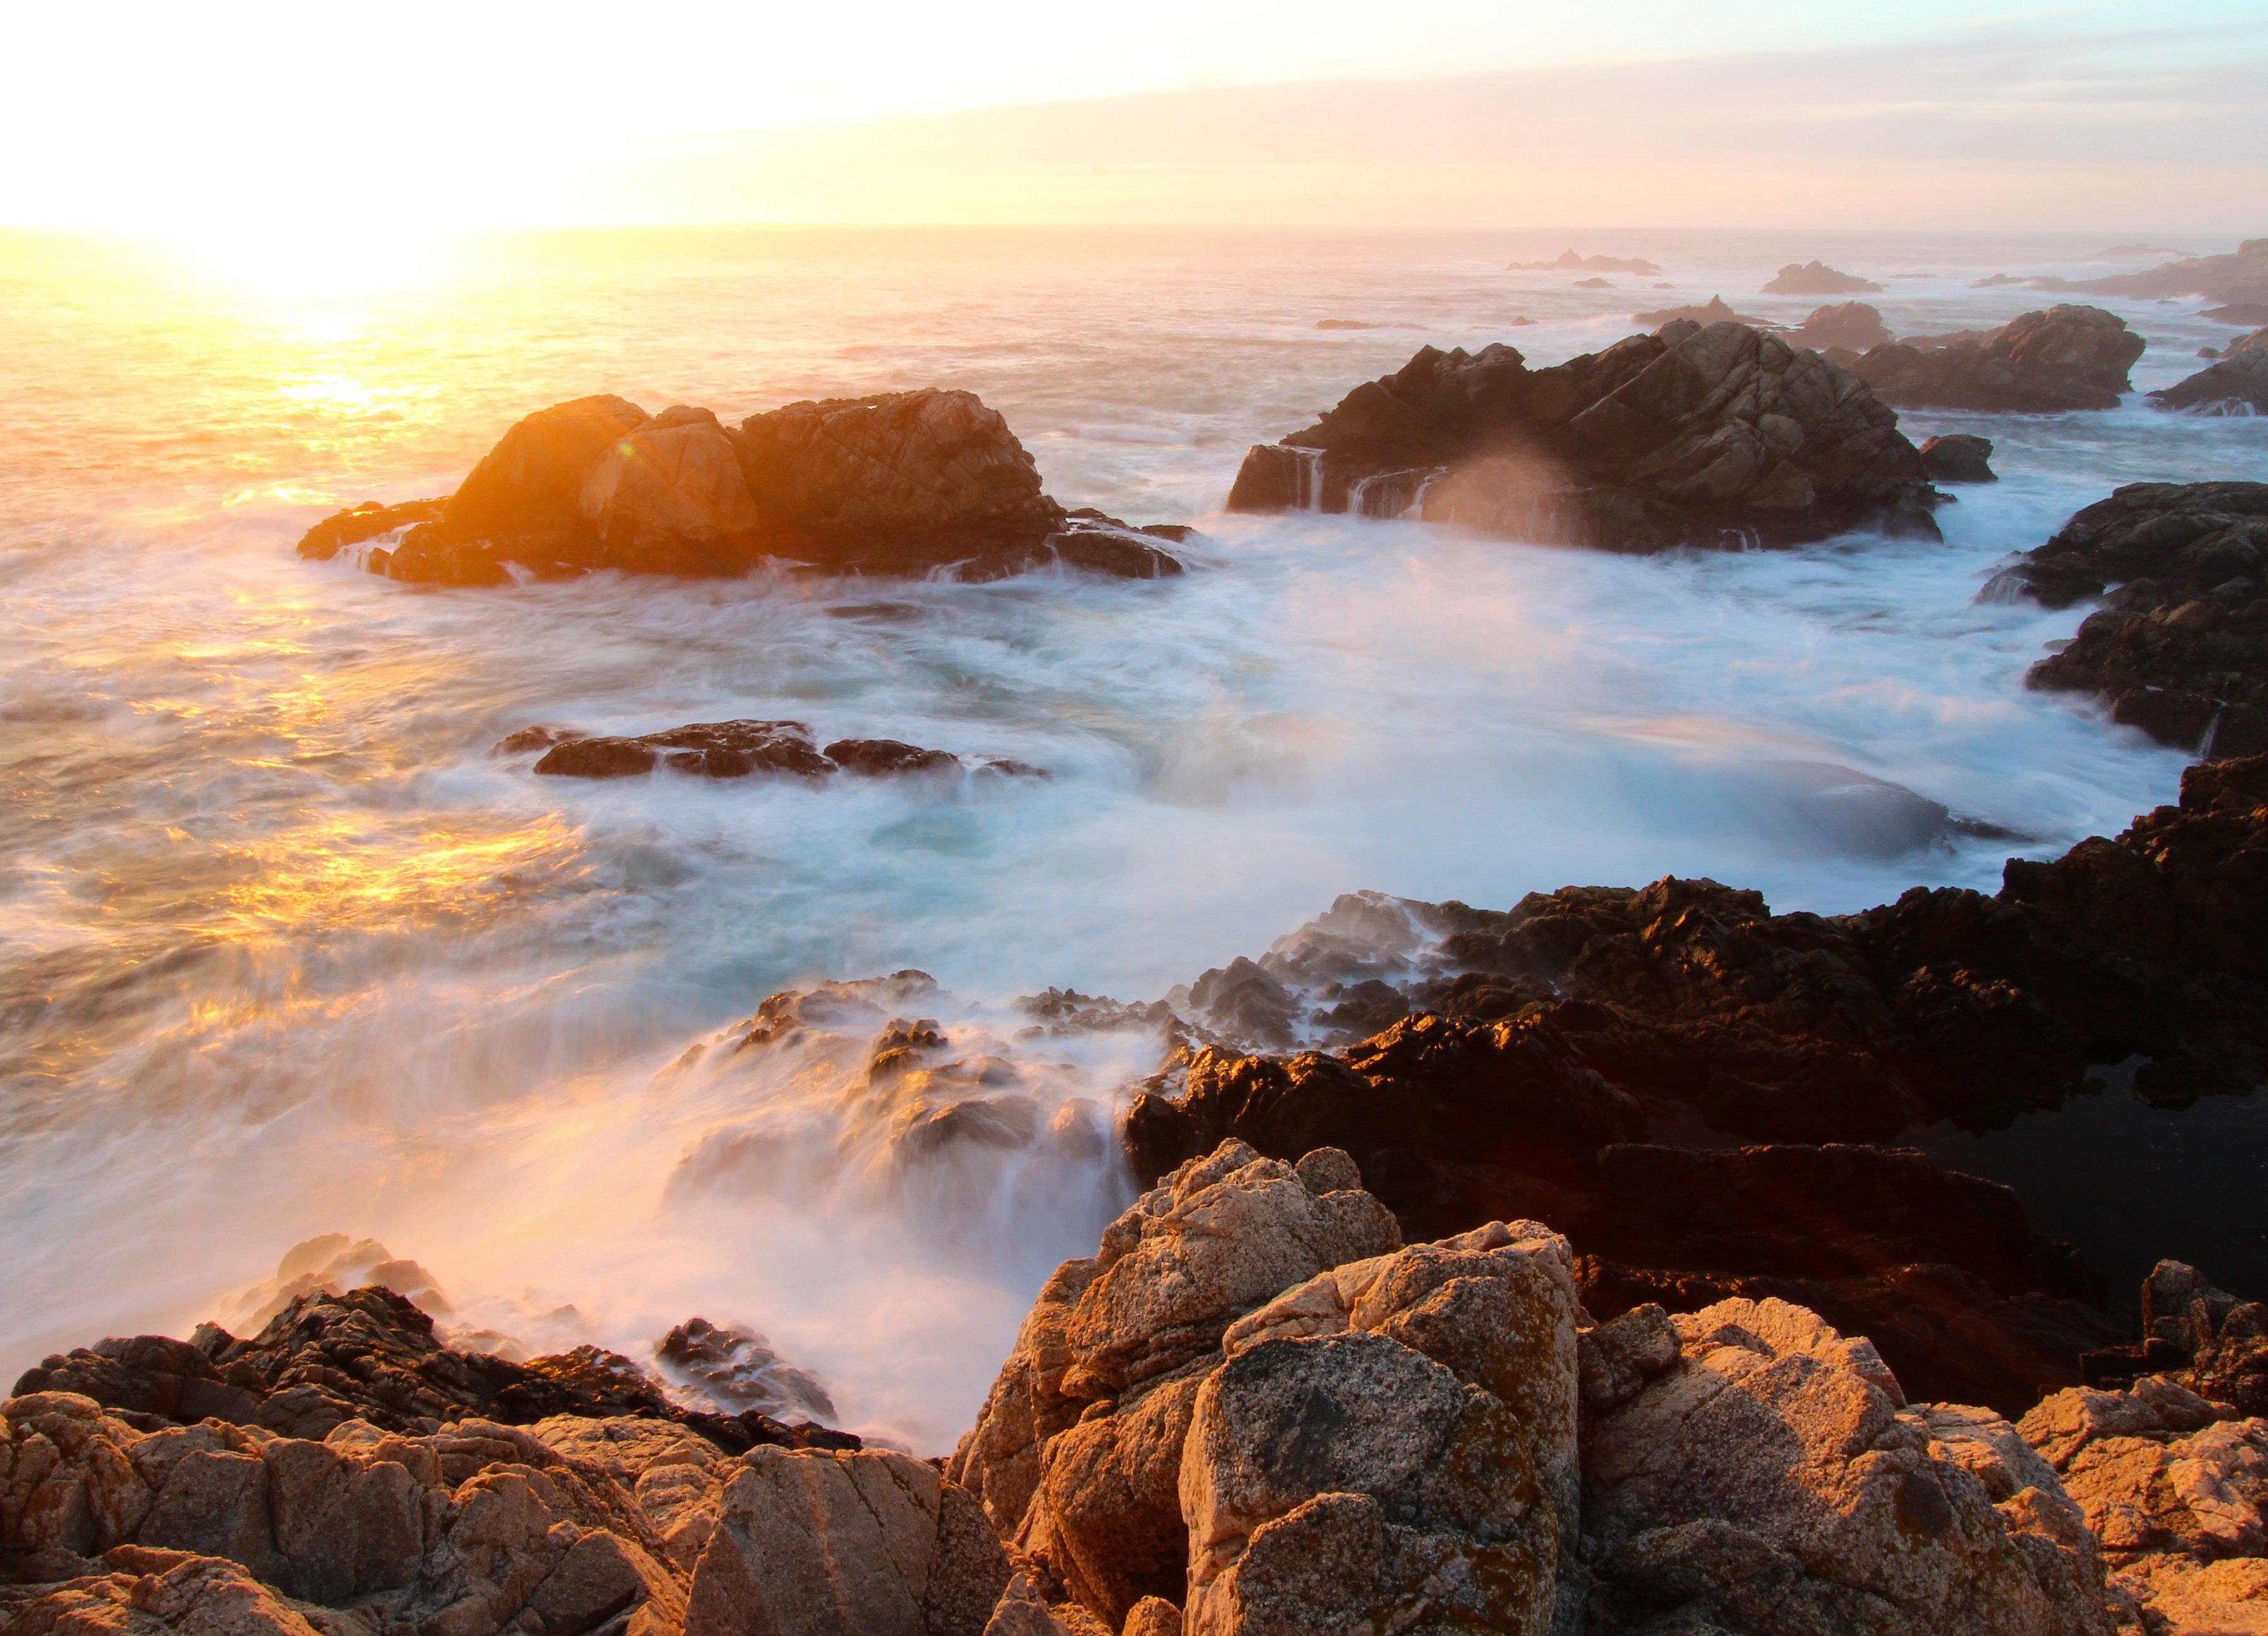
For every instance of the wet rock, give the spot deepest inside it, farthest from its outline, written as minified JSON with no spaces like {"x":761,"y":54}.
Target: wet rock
{"x":1853,"y":325}
{"x":358,"y":524}
{"x":737,"y":1370}
{"x":1959,"y":457}
{"x":878,"y":757}
{"x":2237,"y":385}
{"x":1089,"y":542}
{"x":714,"y":749}
{"x":370,"y":1355}
{"x":1817,"y":278}
{"x":1717,"y":436}
{"x":1765,"y":1482}
{"x":2066,"y":358}
{"x":1569,"y":262}
{"x":2180,"y":647}
{"x":899,"y":483}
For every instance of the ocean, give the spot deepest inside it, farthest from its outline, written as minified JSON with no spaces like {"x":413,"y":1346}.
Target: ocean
{"x":286,"y":951}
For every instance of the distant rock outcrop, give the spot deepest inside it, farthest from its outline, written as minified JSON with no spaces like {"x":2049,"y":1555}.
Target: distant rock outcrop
{"x":1722,"y":436}
{"x":1818,"y":278}
{"x":1571,"y":263}
{"x":2242,"y":276}
{"x":900,"y":483}
{"x":1713,"y":311}
{"x":2066,"y":358}
{"x":2180,"y":648}
{"x":2237,"y":385}
{"x":1853,"y":325}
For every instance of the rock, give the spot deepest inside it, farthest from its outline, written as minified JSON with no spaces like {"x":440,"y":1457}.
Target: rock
{"x":2246,"y":312}
{"x":1817,"y":278}
{"x":1851,"y":324}
{"x":715,"y":749}
{"x":286,"y":1379}
{"x":901,"y":483}
{"x":2237,"y":385}
{"x":2203,"y":1340}
{"x":1087,"y":543}
{"x":1571,"y":263}
{"x":2242,"y":277}
{"x":1959,"y":457}
{"x":1713,"y":311}
{"x":2180,"y":648}
{"x":1721,"y":435}
{"x":195,"y":1595}
{"x":2066,"y":358}
{"x":1423,"y":1401}
{"x":1345,"y":323}
{"x":2176,"y":1490}
{"x":736,"y":1371}
{"x":1763,"y":1483}
{"x":369,"y":520}
{"x":876,"y":757}
{"x":1593,"y":283}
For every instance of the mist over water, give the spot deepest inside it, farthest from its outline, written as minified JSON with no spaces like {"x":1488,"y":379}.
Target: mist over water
{"x":285,"y":950}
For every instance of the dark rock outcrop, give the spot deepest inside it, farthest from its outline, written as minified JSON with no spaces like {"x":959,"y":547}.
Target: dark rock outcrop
{"x":2201,"y":1337}
{"x":1818,"y":278}
{"x":2066,"y":358}
{"x":2242,"y":276}
{"x":1852,"y":325}
{"x":1571,"y":263}
{"x":1713,"y":311}
{"x":372,"y":1355}
{"x":737,"y":749}
{"x":2180,"y":647}
{"x":900,"y":483}
{"x":2237,"y":385}
{"x":1959,"y":457}
{"x":1722,"y":436}
{"x":1583,"y":1057}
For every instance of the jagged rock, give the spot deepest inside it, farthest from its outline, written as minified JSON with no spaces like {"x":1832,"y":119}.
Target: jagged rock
{"x":2237,"y":385}
{"x":1114,"y":1450}
{"x":479,"y":1527}
{"x":1571,"y":263}
{"x":2176,"y":1489}
{"x":1817,"y":278}
{"x":2200,"y":1338}
{"x":372,"y":1355}
{"x":1853,"y":325}
{"x":2180,"y":648}
{"x":1722,"y":436}
{"x":2066,"y":358}
{"x":1713,"y":311}
{"x":901,"y":483}
{"x":1959,"y":457}
{"x":737,"y":1371}
{"x":1766,"y":1483}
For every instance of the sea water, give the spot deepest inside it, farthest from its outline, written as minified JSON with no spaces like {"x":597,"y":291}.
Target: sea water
{"x":285,"y":950}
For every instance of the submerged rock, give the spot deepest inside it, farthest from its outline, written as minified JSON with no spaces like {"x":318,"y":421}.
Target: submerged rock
{"x":1722,"y":436}
{"x":2066,"y":358}
{"x":1817,"y":278}
{"x":899,"y":483}
{"x":738,"y":750}
{"x":2180,"y":647}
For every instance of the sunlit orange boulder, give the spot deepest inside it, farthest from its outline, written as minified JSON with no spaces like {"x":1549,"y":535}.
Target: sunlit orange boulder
{"x":900,"y":483}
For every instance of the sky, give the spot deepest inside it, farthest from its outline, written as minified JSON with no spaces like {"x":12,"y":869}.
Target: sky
{"x":238,"y":116}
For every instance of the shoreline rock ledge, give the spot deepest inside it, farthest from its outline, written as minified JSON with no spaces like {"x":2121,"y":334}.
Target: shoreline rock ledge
{"x":1722,"y":437}
{"x":1254,"y":1411}
{"x":901,"y":483}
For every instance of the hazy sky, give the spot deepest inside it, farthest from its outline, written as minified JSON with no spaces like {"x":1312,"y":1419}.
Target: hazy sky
{"x":1927,"y":112}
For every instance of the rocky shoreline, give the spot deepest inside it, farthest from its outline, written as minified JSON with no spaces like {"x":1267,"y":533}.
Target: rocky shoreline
{"x":1581,"y":1287}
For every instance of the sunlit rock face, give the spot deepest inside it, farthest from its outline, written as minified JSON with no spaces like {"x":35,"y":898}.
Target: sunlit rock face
{"x":900,"y":483}
{"x":1722,"y":436}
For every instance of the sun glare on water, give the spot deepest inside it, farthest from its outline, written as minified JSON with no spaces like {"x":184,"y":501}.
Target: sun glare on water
{"x":314,"y":262}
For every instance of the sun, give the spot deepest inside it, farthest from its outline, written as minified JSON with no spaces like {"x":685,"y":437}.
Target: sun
{"x":304,"y":263}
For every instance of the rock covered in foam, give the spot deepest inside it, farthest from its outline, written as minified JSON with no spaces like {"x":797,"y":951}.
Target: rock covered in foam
{"x":738,"y":749}
{"x":2237,"y":385}
{"x":1721,"y":435}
